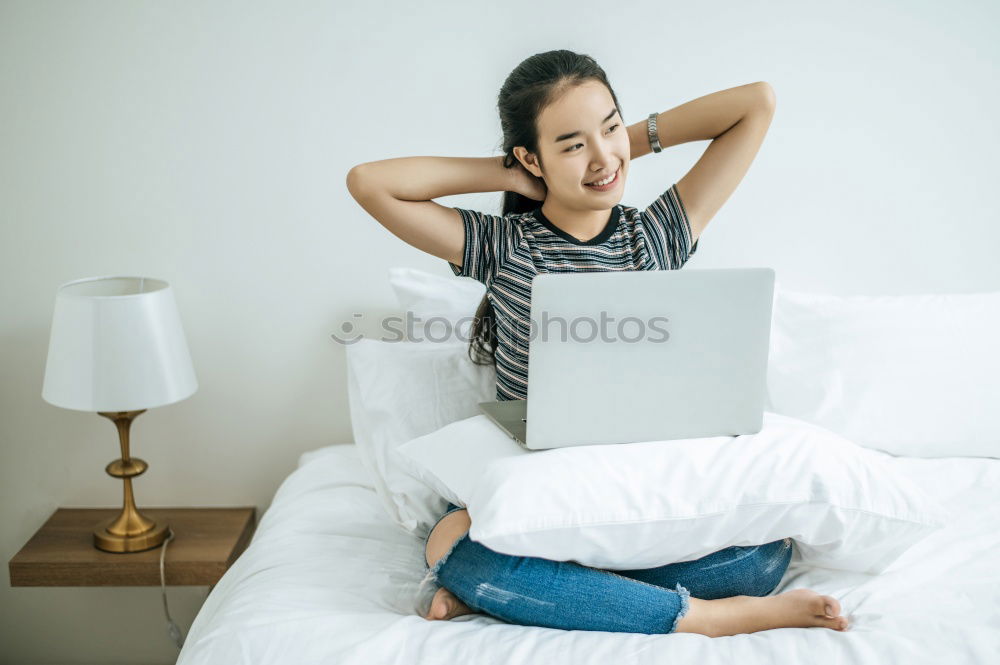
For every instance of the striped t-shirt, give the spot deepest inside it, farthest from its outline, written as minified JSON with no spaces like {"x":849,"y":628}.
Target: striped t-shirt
{"x":506,"y":252}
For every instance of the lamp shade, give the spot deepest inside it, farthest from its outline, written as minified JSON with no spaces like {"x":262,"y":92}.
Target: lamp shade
{"x":117,"y":345}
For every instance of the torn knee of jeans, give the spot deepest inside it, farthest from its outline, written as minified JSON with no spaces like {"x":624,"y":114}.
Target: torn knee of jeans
{"x":433,"y":570}
{"x":429,"y":584}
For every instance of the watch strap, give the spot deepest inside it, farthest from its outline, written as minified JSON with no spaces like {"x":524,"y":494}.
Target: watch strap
{"x":654,"y":137}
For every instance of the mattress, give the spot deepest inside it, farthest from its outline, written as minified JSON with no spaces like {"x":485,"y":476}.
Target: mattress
{"x":329,"y":578}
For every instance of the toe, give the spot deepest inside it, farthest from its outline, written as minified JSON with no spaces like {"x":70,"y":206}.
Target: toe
{"x":439,"y":605}
{"x":828,"y":606}
{"x":837,"y":623}
{"x":451,"y":609}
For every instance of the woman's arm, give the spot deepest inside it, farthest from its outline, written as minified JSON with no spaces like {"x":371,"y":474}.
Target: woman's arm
{"x":398,"y":192}
{"x":736,"y":120}
{"x":426,"y":178}
{"x":700,"y":119}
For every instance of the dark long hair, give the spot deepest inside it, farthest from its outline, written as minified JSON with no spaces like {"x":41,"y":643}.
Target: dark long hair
{"x":534,"y":84}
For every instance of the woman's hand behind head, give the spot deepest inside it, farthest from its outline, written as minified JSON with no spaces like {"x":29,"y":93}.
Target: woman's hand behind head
{"x":526,"y":184}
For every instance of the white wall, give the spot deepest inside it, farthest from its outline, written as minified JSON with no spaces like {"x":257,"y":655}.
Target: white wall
{"x":207,"y":143}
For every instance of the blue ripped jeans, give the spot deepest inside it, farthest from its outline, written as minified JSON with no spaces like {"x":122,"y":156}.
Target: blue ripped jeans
{"x":533,"y":591}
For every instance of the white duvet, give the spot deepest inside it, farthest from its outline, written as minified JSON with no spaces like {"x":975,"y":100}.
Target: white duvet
{"x":328,"y":578}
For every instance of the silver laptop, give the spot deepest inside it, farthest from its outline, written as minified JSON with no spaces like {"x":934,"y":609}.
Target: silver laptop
{"x":643,"y":355}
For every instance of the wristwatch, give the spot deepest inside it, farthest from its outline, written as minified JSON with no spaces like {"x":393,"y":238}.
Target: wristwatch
{"x":654,"y":138}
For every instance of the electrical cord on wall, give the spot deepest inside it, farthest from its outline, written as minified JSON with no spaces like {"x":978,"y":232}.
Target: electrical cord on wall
{"x":172,"y":629}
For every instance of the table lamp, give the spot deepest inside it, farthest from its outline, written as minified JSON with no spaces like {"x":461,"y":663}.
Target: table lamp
{"x":117,"y":348}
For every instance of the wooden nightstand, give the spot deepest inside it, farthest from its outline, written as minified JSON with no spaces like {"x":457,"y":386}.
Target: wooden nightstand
{"x":206,"y":542}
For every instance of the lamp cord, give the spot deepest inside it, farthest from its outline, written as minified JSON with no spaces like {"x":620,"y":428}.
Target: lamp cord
{"x":172,"y":629}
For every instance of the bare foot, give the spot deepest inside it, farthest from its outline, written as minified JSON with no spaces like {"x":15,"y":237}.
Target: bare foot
{"x":799,"y":608}
{"x":445,"y":605}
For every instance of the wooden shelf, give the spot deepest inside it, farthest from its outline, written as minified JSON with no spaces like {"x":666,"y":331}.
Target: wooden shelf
{"x":62,"y":553}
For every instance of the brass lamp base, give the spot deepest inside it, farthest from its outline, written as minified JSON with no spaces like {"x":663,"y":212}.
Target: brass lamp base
{"x":130,"y":531}
{"x":112,"y":542}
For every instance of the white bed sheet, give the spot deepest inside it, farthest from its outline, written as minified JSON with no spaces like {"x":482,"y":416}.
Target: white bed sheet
{"x":328,"y":578}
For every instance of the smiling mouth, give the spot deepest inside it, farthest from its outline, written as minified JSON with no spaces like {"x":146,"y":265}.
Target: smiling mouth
{"x":609,"y":185}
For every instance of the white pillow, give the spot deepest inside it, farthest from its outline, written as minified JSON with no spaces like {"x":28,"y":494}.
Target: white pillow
{"x":452,"y":301}
{"x":640,"y":505}
{"x":915,"y":375}
{"x":401,"y":390}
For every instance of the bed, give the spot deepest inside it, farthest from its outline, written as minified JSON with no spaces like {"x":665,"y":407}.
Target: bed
{"x":329,"y":578}
{"x":332,"y":577}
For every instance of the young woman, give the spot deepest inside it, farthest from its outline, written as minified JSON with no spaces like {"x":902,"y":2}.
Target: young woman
{"x":565,"y":145}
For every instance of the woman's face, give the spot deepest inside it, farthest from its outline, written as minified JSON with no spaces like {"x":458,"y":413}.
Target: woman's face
{"x":581,"y":139}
